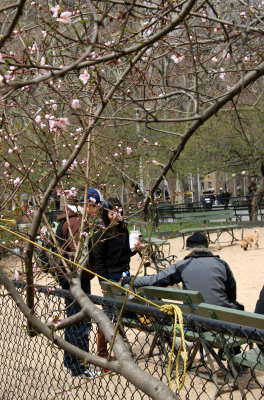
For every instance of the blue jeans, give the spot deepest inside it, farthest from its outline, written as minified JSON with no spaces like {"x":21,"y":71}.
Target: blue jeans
{"x":109,"y":311}
{"x":77,"y":334}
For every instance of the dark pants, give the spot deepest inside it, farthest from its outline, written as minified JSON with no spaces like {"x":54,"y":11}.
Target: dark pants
{"x":113,"y":277}
{"x":77,"y":334}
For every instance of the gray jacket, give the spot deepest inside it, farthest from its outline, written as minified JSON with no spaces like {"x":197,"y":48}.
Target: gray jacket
{"x":201,"y":271}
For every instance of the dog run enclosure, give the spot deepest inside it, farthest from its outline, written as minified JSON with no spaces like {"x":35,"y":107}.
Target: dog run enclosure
{"x":32,"y":368}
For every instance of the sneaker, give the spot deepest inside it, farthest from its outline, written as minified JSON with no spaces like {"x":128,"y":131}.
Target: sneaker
{"x":90,"y":373}
{"x":87,"y":373}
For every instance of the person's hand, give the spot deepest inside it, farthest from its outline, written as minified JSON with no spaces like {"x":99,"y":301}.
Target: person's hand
{"x":125,"y":280}
{"x":137,"y":245}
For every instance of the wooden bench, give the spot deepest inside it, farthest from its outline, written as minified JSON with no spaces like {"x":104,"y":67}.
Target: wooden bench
{"x":249,"y":357}
{"x":203,"y":341}
{"x":148,"y":236}
{"x":153,"y":246}
{"x":208,"y":220}
{"x":241,"y":211}
{"x":188,"y":301}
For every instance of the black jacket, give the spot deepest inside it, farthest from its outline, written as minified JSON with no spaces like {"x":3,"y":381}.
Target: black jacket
{"x":260,"y":310}
{"x":260,"y":303}
{"x":201,"y":271}
{"x":112,"y":252}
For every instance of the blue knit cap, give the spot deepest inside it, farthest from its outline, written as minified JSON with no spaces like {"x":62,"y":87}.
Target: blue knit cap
{"x":93,"y":196}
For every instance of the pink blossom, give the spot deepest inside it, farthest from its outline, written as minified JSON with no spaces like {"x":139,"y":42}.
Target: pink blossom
{"x":16,"y":274}
{"x":177,"y":58}
{"x":128,"y":150}
{"x":214,"y":59}
{"x":44,"y":230}
{"x":73,"y":165}
{"x":55,"y":11}
{"x":17,"y":181}
{"x":70,"y":193}
{"x":65,"y":17}
{"x":54,"y":107}
{"x":38,"y":119}
{"x":44,"y":33}
{"x":75,"y":104}
{"x":155,"y":162}
{"x":7,"y":165}
{"x":52,"y":125}
{"x":9,"y":76}
{"x":58,"y":123}
{"x":84,"y":77}
{"x":116,"y":155}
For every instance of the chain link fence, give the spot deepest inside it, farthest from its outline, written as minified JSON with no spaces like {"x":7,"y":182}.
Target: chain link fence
{"x":32,"y":367}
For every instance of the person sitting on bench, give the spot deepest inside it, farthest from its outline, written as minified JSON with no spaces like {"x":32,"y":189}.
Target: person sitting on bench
{"x":200,"y":270}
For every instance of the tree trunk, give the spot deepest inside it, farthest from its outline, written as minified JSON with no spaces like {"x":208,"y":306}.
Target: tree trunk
{"x":256,"y":200}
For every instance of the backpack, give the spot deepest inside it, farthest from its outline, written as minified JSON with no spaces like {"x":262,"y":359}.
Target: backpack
{"x":46,"y":260}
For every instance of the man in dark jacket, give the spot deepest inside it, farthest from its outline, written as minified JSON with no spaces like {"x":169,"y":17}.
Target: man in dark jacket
{"x":70,"y":236}
{"x":260,"y":310}
{"x":200,"y":270}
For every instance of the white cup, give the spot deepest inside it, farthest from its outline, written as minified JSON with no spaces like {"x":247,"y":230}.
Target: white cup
{"x":133,"y":239}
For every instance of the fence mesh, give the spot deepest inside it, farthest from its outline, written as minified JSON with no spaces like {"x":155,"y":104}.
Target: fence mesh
{"x":218,"y":353}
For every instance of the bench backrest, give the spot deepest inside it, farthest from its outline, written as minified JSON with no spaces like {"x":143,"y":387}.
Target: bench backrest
{"x":118,"y":293}
{"x":205,"y":216}
{"x":187,"y":300}
{"x":231,"y":315}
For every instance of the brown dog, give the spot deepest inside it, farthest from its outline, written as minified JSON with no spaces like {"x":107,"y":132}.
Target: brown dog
{"x":250,"y":239}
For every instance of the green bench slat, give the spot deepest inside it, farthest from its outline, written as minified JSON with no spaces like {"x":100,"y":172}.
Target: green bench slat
{"x":215,"y":340}
{"x":252,"y":358}
{"x":188,"y":296}
{"x":210,"y":228}
{"x":231,"y":315}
